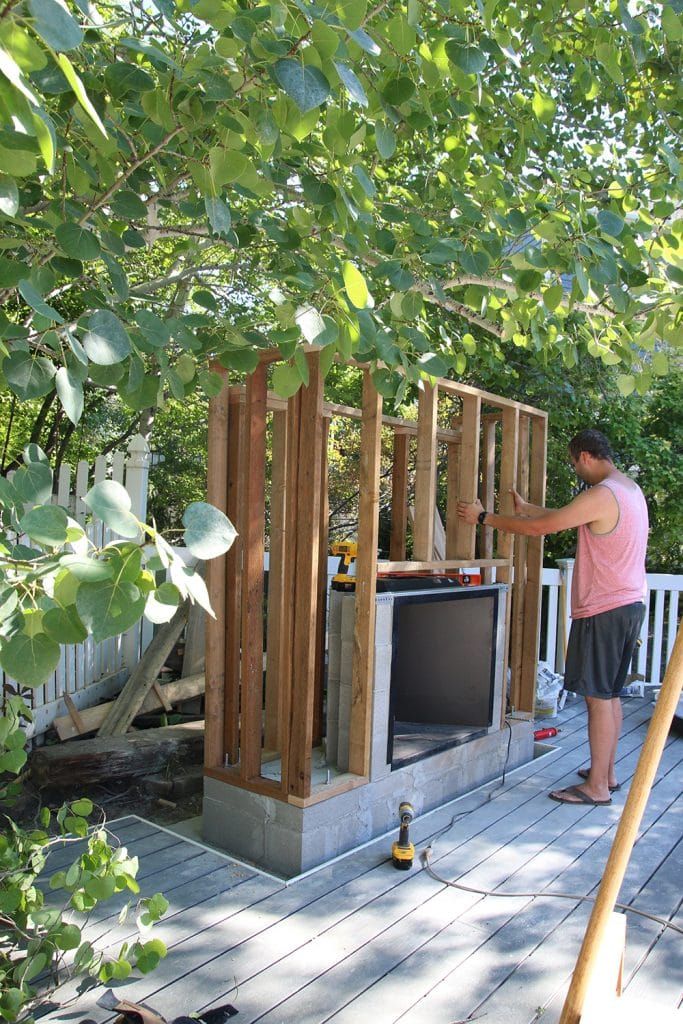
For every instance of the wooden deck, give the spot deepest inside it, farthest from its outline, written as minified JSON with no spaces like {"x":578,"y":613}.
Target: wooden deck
{"x":358,"y":941}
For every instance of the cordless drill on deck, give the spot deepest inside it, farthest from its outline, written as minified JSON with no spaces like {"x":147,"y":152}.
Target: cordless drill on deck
{"x":403,"y":851}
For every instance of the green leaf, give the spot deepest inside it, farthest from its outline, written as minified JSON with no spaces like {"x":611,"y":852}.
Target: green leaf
{"x":28,"y":375}
{"x":306,"y":85}
{"x":385,"y":140}
{"x":53,"y":22}
{"x":469,"y":59}
{"x":9,"y":196}
{"x":81,"y":95}
{"x":355,"y":285}
{"x":36,"y":302}
{"x":218,"y":213}
{"x":45,"y":524}
{"x":320,"y":193}
{"x":626,"y":384}
{"x":352,"y":12}
{"x":33,"y":483}
{"x":433,"y":365}
{"x":77,"y":242}
{"x":244,"y":360}
{"x":611,"y":223}
{"x":399,"y":90}
{"x":29,"y":659}
{"x":82,"y":807}
{"x":101,"y":888}
{"x":67,"y":937}
{"x":123,"y":79}
{"x":528,"y":280}
{"x":47,"y":138}
{"x":109,"y":607}
{"x":208,"y":532}
{"x":401,"y":34}
{"x":70,"y":391}
{"x":286,"y":380}
{"x":475,"y":263}
{"x":352,"y":83}
{"x":106,"y":341}
{"x":672,"y":24}
{"x":111,"y":503}
{"x":88,"y":570}
{"x":552,"y":297}
{"x":64,"y":625}
{"x":543,"y":106}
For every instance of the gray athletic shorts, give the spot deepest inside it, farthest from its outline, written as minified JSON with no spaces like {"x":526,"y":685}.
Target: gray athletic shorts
{"x":600,"y":650}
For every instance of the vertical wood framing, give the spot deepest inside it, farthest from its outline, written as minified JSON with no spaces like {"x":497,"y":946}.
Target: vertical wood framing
{"x":276,"y":583}
{"x":321,"y":611}
{"x":425,"y":474}
{"x":399,"y":496}
{"x":233,"y":581}
{"x":465,"y":534}
{"x":519,"y":585}
{"x":534,"y":569}
{"x":452,"y":492}
{"x":217,"y":495}
{"x":288,"y":593}
{"x":306,"y":584}
{"x":366,"y":576}
{"x":488,"y":488}
{"x":252,"y":574}
{"x":505,"y":541}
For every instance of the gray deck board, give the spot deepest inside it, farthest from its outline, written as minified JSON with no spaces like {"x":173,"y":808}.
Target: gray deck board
{"x":358,"y":941}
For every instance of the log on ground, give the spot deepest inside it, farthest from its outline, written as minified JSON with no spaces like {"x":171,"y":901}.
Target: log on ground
{"x":104,"y":758}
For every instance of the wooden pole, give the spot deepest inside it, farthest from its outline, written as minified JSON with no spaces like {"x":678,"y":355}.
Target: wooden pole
{"x":217,"y":494}
{"x":626,"y":833}
{"x":425,"y":473}
{"x":321,"y":609}
{"x":468,"y":481}
{"x":276,"y":587}
{"x":233,"y":582}
{"x":399,"y":495}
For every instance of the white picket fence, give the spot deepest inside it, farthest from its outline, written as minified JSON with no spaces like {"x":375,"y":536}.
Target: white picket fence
{"x":657,"y":635}
{"x":89,"y":672}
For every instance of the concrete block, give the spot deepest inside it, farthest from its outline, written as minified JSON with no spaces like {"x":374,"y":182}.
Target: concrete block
{"x":334,"y":613}
{"x":382,"y":680}
{"x":384,"y":622}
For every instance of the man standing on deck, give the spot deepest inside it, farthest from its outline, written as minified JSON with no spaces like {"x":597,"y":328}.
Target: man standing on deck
{"x":608,"y":591}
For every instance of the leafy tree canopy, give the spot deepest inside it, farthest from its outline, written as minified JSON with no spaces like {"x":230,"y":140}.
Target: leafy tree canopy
{"x":196,"y":180}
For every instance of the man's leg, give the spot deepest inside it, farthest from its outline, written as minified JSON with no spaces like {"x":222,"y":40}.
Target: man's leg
{"x":604,"y":725}
{"x":618,"y":719}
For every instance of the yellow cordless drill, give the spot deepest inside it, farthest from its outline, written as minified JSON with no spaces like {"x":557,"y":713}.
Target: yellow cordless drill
{"x":348,"y":552}
{"x":403,"y":851}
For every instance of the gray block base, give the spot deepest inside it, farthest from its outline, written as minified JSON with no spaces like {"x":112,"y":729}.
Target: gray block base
{"x":288,"y":840}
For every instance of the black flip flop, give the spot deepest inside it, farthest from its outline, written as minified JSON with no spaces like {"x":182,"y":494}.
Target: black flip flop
{"x":583,"y":773}
{"x":581,"y":797}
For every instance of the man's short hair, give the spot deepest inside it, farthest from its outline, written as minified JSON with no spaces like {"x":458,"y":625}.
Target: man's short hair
{"x":592,"y":441}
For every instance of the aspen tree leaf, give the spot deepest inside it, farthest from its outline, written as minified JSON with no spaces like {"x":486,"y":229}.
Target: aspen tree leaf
{"x":286,"y":380}
{"x":208,"y":531}
{"x":53,"y":22}
{"x":45,"y":524}
{"x":355,"y":285}
{"x":106,"y":341}
{"x":352,"y":83}
{"x":35,"y":300}
{"x":29,"y":659}
{"x":70,"y":391}
{"x":306,"y":84}
{"x":626,"y":384}
{"x":110,"y":502}
{"x":469,"y":59}
{"x":385,"y":140}
{"x":9,"y":195}
{"x":543,"y":106}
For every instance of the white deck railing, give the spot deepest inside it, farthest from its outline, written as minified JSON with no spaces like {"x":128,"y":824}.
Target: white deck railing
{"x":657,"y":635}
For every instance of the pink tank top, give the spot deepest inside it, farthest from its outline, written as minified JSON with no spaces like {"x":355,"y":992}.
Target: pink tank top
{"x":610,"y":567}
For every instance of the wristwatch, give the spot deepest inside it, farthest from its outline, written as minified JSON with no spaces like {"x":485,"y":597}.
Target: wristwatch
{"x":481,"y":518}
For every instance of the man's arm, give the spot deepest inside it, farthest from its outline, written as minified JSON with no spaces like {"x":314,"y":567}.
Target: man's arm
{"x":587,"y":507}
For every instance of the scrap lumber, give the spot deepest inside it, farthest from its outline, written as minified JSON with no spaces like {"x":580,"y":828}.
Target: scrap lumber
{"x":103,"y":758}
{"x":128,"y":703}
{"x":91,"y":718}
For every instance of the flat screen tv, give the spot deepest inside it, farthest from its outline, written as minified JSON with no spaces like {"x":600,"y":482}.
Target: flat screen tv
{"x":444,"y":658}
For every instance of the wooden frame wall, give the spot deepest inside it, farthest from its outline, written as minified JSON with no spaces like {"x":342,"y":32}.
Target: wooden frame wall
{"x":243,"y":728}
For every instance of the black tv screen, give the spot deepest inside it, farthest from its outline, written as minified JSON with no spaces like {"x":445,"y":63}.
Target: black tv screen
{"x":443,"y":658}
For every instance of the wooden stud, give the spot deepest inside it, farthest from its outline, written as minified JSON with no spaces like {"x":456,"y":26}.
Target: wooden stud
{"x":366,"y":578}
{"x":306,"y":584}
{"x":465,"y":536}
{"x":233,"y":583}
{"x":519,"y":579}
{"x":505,"y":541}
{"x":399,"y":495}
{"x":276,"y":582}
{"x":217,"y":494}
{"x":452,"y":493}
{"x":163,"y":700}
{"x":289,"y":587}
{"x":252,"y":574}
{"x":488,"y":483}
{"x":321,"y":609}
{"x":425,"y":474}
{"x":534,"y":570}
{"x":442,"y":564}
{"x":75,"y":714}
